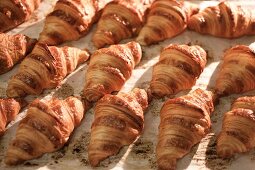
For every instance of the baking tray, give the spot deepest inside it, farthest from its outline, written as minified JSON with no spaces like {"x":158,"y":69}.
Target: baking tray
{"x":141,"y":154}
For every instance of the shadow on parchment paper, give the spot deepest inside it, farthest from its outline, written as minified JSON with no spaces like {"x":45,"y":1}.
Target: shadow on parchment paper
{"x":184,"y":162}
{"x":212,"y":160}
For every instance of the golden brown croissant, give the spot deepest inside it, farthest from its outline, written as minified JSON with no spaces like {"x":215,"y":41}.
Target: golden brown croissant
{"x":109,"y":68}
{"x":177,"y":69}
{"x":9,"y":108}
{"x":166,"y":19}
{"x":15,"y":12}
{"x":45,"y":67}
{"x":70,"y":20}
{"x":46,"y":128}
{"x":184,"y":121}
{"x":13,"y":49}
{"x":225,"y":20}
{"x":237,"y":134}
{"x":237,"y":73}
{"x":118,"y":121}
{"x":120,"y":19}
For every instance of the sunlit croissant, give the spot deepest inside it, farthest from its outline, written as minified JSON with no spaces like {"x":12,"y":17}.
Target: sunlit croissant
{"x":46,"y":128}
{"x":224,"y":20}
{"x":45,"y":67}
{"x":237,"y":134}
{"x":110,"y":68}
{"x":13,"y":49}
{"x":70,"y":20}
{"x":237,"y":73}
{"x":9,"y":108}
{"x":166,"y":19}
{"x":184,"y":121}
{"x":178,"y":68}
{"x":120,"y":20}
{"x":15,"y":12}
{"x":119,"y":120}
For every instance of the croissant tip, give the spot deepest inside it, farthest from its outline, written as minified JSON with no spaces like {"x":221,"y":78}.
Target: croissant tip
{"x":167,"y":163}
{"x":49,"y":40}
{"x":12,"y":160}
{"x":94,"y":160}
{"x":141,"y":41}
{"x":94,"y":163}
{"x":225,"y":153}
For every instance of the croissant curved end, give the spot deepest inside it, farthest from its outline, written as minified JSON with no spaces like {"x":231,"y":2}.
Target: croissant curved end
{"x":167,"y":163}
{"x":225,"y":151}
{"x":49,"y":40}
{"x":94,"y":94}
{"x":141,"y":40}
{"x":14,"y":92}
{"x":12,"y":160}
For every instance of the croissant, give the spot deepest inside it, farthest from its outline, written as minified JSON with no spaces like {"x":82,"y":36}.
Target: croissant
{"x":15,"y":12}
{"x":177,"y":69}
{"x":120,"y":20}
{"x":13,"y":49}
{"x":118,"y":121}
{"x":45,"y":67}
{"x":225,"y":20}
{"x":237,"y":73}
{"x":166,"y":19}
{"x":237,"y":134}
{"x":184,"y":121}
{"x":70,"y":20}
{"x":46,"y":128}
{"x":9,"y":108}
{"x":109,"y":68}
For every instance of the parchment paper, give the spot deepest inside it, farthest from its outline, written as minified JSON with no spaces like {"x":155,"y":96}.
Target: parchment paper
{"x":140,"y":155}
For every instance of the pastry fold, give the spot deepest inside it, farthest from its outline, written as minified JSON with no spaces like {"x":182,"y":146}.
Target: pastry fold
{"x":46,"y":128}
{"x":238,"y":128}
{"x":184,"y":121}
{"x":15,"y":12}
{"x":120,"y":20}
{"x":109,"y":69}
{"x":178,"y":68}
{"x":13,"y":49}
{"x":70,"y":20}
{"x":225,"y":20}
{"x":166,"y":19}
{"x":44,"y":68}
{"x":118,"y":121}
{"x":237,"y":73}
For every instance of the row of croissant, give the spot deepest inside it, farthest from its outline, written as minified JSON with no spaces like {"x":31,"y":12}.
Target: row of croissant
{"x":150,"y":20}
{"x":70,"y":20}
{"x":119,"y":119}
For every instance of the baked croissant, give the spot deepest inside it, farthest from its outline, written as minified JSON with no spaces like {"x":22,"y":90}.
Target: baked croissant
{"x":237,"y":73}
{"x":120,"y":20}
{"x":225,"y":20}
{"x":177,"y":69}
{"x":184,"y":121}
{"x":15,"y":12}
{"x":70,"y":20}
{"x":118,"y":121}
{"x":45,"y":67}
{"x":46,"y":128}
{"x":13,"y":49}
{"x":9,"y":108}
{"x":109,"y":68}
{"x":237,"y":134}
{"x":166,"y":19}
